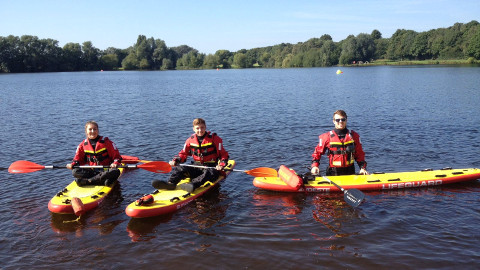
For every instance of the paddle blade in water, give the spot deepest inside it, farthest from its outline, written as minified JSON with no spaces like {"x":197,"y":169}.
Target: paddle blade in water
{"x":354,"y":197}
{"x":156,"y":167}
{"x":262,"y":172}
{"x":24,"y":166}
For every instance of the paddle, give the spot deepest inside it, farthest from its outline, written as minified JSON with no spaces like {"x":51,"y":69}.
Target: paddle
{"x":257,"y":172}
{"x":24,"y":166}
{"x":353,"y":197}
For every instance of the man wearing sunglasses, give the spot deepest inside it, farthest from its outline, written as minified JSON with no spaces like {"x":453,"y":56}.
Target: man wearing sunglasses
{"x":344,"y":148}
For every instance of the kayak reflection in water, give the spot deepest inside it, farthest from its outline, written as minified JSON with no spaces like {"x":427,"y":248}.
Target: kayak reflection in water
{"x":207,"y":149}
{"x":95,"y":150}
{"x":344,"y":148}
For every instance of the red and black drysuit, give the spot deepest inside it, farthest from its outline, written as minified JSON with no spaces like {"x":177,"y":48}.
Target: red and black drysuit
{"x":207,"y":151}
{"x":99,"y":151}
{"x":344,"y":148}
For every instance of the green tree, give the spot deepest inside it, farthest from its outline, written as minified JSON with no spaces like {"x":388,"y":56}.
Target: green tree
{"x":90,"y":56}
{"x":191,"y":60}
{"x":120,"y":53}
{"x":29,"y":48}
{"x":349,"y":50}
{"x":72,"y":57}
{"x":400,"y":46}
{"x":420,"y":46}
{"x":10,"y":58}
{"x":240,"y":60}
{"x":130,"y":62}
{"x":287,"y":61}
{"x":473,"y":47}
{"x":160,"y":53}
{"x":376,"y":34}
{"x":365,"y":47}
{"x":312,"y":58}
{"x":329,"y":54}
{"x":211,"y":61}
{"x":381,"y":46}
{"x":167,"y":64}
{"x":51,"y":54}
{"x":225,"y":58}
{"x":109,"y":62}
{"x":265,"y":59}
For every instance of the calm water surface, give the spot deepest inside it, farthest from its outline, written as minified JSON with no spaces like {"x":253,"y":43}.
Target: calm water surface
{"x":409,"y":118}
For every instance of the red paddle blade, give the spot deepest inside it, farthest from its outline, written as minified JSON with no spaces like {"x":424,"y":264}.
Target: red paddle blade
{"x":156,"y":167}
{"x":24,"y":166}
{"x":262,"y":172}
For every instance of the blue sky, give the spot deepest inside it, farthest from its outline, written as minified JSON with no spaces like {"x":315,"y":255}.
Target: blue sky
{"x":209,"y":26}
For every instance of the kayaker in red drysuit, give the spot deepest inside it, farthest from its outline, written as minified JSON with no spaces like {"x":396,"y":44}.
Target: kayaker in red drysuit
{"x":207,"y":149}
{"x":95,"y":150}
{"x":343,"y":147}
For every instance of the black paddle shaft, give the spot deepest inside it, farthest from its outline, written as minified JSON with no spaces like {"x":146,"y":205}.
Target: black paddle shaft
{"x":353,"y":197}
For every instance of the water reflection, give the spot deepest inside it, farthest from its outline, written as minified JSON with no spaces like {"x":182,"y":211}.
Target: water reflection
{"x":208,"y":210}
{"x":286,"y":204}
{"x":145,"y":229}
{"x":332,"y":212}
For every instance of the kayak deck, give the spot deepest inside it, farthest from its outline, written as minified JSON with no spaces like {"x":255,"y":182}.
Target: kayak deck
{"x":168,"y":201}
{"x":91,"y":196}
{"x":375,"y":181}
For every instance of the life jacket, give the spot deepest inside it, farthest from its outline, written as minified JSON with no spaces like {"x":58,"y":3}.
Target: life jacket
{"x":99,"y":155}
{"x":341,"y":153}
{"x":204,"y":152}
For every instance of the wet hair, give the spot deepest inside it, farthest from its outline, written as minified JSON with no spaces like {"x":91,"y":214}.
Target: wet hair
{"x":342,"y":113}
{"x":199,"y":121}
{"x":91,"y":123}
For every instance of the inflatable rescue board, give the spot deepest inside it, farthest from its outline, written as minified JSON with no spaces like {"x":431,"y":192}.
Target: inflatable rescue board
{"x":76,"y":200}
{"x":289,"y":181}
{"x":162,"y":202}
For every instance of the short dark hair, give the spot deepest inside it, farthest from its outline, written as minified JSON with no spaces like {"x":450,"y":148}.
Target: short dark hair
{"x":198,"y":121}
{"x":342,"y":113}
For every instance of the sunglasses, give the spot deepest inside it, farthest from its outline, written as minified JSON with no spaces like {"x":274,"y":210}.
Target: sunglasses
{"x":338,"y":120}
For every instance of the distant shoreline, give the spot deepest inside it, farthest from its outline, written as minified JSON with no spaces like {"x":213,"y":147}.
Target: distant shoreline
{"x":386,"y":62}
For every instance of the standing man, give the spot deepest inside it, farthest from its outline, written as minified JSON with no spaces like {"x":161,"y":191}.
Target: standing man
{"x":344,"y":148}
{"x":207,"y":149}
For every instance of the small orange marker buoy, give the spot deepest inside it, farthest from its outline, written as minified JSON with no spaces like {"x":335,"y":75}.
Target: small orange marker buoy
{"x":78,"y":207}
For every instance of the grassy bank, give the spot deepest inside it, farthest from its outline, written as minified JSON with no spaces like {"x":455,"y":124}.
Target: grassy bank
{"x":386,"y":62}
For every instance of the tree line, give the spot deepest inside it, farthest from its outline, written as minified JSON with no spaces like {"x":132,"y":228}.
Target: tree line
{"x":31,"y":54}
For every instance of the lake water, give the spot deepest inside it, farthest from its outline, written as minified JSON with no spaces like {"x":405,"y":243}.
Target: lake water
{"x":409,"y":118}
